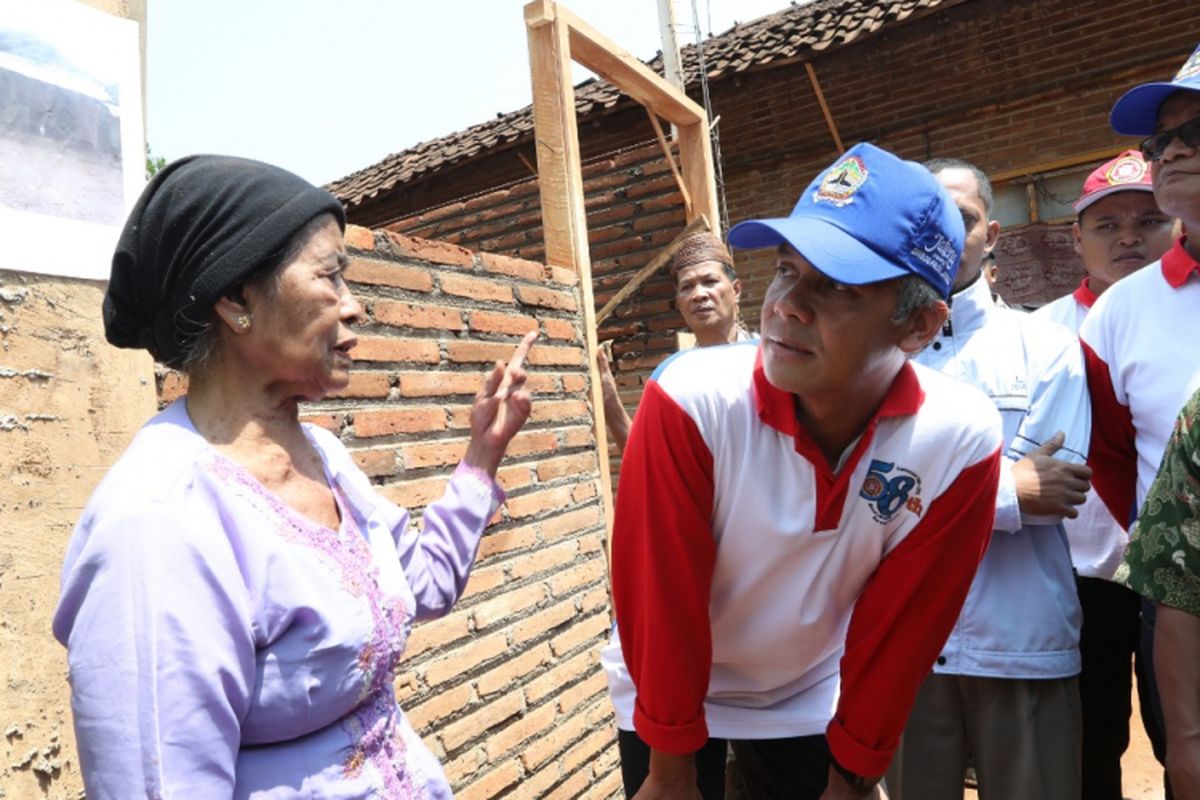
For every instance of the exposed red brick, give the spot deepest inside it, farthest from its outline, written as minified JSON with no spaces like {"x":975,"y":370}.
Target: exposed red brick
{"x":465,"y":658}
{"x":592,"y":629}
{"x":496,"y":322}
{"x":560,"y":329}
{"x":359,"y":238}
{"x":578,"y":464}
{"x":517,"y":601}
{"x":516,"y":267}
{"x":513,"y":671}
{"x":546,"y":298}
{"x":416,"y":493}
{"x":507,"y":541}
{"x":386,"y":273}
{"x":437,"y":633}
{"x":366,"y":384}
{"x":388,"y":422}
{"x":432,"y":454}
{"x":426,"y":250}
{"x":528,"y":505}
{"x":476,"y":288}
{"x":434,"y":384}
{"x":494,"y":783}
{"x":481,"y":352}
{"x":382,"y":348}
{"x":542,"y":622}
{"x":425,"y":316}
{"x":556,"y":410}
{"x":553,"y":355}
{"x":570,"y":522}
{"x":376,"y":462}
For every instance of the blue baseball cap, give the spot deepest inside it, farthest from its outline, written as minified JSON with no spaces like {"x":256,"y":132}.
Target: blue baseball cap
{"x":869,"y":217}
{"x":1136,"y":113}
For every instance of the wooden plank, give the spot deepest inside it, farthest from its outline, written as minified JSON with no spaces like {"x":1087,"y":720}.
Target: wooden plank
{"x":604,"y":57}
{"x":1062,"y":163}
{"x":696,"y":162}
{"x":666,"y":148}
{"x":560,"y":183}
{"x":816,"y":85}
{"x":643,"y":274}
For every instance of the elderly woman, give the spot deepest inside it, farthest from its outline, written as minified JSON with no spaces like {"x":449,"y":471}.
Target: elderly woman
{"x":237,"y":596}
{"x":707,"y":291}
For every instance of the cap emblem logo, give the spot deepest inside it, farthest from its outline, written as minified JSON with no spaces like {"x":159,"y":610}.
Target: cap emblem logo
{"x":1126,"y":170}
{"x":842,"y":181}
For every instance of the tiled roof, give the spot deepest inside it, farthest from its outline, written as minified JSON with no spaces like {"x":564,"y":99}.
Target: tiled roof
{"x":778,"y":37}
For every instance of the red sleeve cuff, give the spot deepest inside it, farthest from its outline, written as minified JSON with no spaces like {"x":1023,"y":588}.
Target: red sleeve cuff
{"x":853,"y":754}
{"x":677,"y":740}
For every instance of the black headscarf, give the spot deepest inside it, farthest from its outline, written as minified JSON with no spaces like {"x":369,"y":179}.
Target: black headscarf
{"x":201,"y":226}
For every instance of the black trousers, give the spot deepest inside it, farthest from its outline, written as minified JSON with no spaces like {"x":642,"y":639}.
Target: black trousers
{"x":795,"y":768}
{"x":1112,"y":646}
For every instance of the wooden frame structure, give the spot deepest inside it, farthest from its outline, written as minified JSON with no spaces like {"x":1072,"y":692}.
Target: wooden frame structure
{"x":556,"y":38}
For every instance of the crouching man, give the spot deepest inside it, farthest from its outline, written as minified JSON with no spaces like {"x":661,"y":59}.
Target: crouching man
{"x":800,"y":518}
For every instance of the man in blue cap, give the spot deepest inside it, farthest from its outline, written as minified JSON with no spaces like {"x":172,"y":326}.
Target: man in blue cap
{"x":1140,"y":344}
{"x":800,"y":518}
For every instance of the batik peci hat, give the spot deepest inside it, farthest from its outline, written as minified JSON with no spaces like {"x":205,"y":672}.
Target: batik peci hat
{"x":867,"y":218}
{"x":1136,"y":113}
{"x":1127,"y":172}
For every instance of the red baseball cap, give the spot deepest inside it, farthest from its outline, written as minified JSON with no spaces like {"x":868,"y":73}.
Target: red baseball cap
{"x":1128,"y":171}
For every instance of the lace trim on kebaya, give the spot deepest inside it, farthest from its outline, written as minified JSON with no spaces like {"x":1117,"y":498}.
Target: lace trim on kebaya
{"x":372,"y":725}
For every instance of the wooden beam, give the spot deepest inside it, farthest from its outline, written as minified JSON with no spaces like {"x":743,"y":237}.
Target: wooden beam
{"x":1061,"y":163}
{"x":560,"y":184}
{"x":604,"y":57}
{"x":643,"y":274}
{"x":699,"y":175}
{"x":528,"y":164}
{"x":833,"y":131}
{"x":666,"y":148}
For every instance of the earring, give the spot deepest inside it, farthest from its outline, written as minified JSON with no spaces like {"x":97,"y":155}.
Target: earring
{"x":243,"y":322}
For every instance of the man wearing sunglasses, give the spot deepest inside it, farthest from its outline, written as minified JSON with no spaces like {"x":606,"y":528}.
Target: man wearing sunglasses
{"x":1143,"y":358}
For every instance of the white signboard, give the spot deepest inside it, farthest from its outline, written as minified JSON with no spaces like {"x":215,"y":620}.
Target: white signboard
{"x":72,"y":157}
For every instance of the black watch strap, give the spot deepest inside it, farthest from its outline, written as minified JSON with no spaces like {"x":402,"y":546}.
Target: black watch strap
{"x":855,"y":780}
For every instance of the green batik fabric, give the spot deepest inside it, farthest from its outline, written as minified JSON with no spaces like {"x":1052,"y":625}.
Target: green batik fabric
{"x":1163,"y":559}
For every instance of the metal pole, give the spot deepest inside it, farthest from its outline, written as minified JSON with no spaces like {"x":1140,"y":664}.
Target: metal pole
{"x":672,"y":64}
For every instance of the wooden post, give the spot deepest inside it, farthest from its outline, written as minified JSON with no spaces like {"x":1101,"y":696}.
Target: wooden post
{"x":556,"y":38}
{"x":560,"y":182}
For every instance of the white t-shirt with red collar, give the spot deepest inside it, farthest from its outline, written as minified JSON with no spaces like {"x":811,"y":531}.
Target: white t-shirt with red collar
{"x":1141,"y":344}
{"x":749,"y":574}
{"x":1097,"y":541}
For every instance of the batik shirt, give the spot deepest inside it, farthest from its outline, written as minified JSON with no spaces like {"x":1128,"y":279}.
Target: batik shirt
{"x":1163,"y":560}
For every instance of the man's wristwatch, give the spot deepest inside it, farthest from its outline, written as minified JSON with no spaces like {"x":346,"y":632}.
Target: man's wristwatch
{"x":855,"y":780}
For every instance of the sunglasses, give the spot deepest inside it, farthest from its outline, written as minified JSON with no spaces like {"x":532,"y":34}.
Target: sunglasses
{"x":1154,"y":145}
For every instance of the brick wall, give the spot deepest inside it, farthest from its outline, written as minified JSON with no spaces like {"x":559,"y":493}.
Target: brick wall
{"x":634,"y":209}
{"x":507,"y":689}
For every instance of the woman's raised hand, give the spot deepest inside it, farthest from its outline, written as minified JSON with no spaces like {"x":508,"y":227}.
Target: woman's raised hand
{"x":501,"y":407}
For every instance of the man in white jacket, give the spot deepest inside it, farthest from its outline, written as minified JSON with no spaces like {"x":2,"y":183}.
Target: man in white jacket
{"x":1004,"y":688}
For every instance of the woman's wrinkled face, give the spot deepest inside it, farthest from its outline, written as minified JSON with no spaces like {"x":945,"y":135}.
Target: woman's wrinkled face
{"x":300,"y":336}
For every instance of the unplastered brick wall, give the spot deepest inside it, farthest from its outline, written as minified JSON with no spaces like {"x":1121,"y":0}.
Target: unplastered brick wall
{"x":634,"y":210}
{"x":507,"y":689}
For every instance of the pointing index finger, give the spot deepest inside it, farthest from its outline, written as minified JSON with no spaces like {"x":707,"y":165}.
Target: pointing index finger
{"x":522,"y":350}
